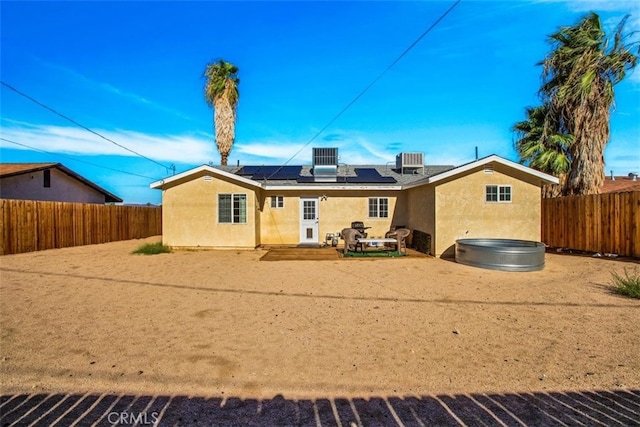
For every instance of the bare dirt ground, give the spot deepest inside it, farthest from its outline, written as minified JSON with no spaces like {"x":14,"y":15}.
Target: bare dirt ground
{"x":96,"y":319}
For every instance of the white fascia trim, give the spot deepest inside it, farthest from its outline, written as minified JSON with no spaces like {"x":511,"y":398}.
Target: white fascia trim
{"x":330,"y":187}
{"x":481,"y":162}
{"x":205,"y":168}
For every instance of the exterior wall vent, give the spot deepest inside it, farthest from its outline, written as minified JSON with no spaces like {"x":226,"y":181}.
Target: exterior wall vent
{"x":410,"y":162}
{"x":325,"y":164}
{"x":488,"y":169}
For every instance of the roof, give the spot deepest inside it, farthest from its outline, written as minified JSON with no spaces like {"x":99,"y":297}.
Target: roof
{"x":14,"y":169}
{"x":620,"y":184}
{"x":381,"y":177}
{"x":11,"y":169}
{"x":485,"y":161}
{"x":349,"y":177}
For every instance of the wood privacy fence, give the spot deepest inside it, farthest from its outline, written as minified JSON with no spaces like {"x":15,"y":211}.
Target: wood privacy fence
{"x":27,"y":225}
{"x":604,"y":223}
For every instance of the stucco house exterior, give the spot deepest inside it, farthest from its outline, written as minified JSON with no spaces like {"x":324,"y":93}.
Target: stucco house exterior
{"x":248,"y":206}
{"x":50,"y":182}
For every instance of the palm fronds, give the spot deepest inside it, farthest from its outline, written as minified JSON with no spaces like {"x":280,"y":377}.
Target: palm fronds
{"x":221,"y":93}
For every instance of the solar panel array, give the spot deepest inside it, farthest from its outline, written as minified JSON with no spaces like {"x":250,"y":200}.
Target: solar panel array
{"x":370,"y":175}
{"x":363,"y":175}
{"x":271,"y":172}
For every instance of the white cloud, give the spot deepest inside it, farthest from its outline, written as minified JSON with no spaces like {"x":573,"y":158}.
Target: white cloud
{"x":60,"y":139}
{"x":354,"y":148}
{"x":269,"y":151}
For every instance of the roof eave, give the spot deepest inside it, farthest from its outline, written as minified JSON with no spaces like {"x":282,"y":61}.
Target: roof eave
{"x":328,"y":187}
{"x":206,"y":168}
{"x":109,"y":197}
{"x":481,"y":162}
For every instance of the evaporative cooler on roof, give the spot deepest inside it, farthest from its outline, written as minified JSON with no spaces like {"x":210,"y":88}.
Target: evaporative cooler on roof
{"x":325,"y":164}
{"x":410,"y":162}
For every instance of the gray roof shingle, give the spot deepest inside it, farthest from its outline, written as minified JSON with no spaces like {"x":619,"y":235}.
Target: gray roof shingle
{"x":410,"y":176}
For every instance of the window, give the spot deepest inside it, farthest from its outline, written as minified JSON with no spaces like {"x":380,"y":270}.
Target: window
{"x":378,"y":207}
{"x":498,"y":194}
{"x":47,"y":178}
{"x":232,"y":208}
{"x":277,"y":202}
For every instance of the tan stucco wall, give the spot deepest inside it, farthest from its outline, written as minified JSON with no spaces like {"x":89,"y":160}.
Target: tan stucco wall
{"x":30,"y":186}
{"x":462,"y":212}
{"x":190,"y":214}
{"x":421,"y":210}
{"x":282,"y":226}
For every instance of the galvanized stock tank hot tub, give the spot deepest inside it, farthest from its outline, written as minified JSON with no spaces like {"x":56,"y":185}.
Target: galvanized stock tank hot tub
{"x":501,"y":254}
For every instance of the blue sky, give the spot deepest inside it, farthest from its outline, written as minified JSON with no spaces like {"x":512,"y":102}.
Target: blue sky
{"x":132,"y":72}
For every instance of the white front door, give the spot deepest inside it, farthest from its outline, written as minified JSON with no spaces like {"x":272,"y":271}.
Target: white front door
{"x":308,"y":220}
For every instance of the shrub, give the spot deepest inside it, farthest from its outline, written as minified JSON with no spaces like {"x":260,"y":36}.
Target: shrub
{"x":628,"y":285}
{"x":152,"y":249}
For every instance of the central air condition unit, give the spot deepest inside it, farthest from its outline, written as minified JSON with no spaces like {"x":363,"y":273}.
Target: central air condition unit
{"x":410,"y":161}
{"x":325,"y":157}
{"x":325,"y":164}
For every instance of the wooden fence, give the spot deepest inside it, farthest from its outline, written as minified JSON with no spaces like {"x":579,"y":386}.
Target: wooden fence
{"x":604,"y":223}
{"x":27,"y":225}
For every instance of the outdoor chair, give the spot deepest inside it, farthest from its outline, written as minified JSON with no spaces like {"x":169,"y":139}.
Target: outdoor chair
{"x":351,"y":236}
{"x":401,"y":235}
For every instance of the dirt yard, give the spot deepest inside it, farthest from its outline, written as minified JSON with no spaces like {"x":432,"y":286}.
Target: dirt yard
{"x":224,"y":323}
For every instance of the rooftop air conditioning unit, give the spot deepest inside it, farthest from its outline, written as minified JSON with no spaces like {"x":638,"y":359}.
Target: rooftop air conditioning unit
{"x":411,"y":161}
{"x":325,"y":164}
{"x":325,"y":157}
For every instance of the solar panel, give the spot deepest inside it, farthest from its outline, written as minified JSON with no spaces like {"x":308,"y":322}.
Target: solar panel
{"x":248,"y":170}
{"x":271,"y":172}
{"x":370,"y":176}
{"x":305,"y":179}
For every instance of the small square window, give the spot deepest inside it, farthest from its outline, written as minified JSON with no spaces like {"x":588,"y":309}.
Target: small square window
{"x":492,"y":193}
{"x":277,"y":202}
{"x":378,"y":207}
{"x":505,"y":193}
{"x":498,"y":194}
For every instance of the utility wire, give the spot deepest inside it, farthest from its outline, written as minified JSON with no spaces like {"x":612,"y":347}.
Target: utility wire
{"x":411,"y":46}
{"x":76,"y":160}
{"x":81,"y":125}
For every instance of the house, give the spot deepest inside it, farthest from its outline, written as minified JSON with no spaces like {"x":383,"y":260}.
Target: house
{"x":49,"y":182}
{"x":249,"y":206}
{"x":618,"y":184}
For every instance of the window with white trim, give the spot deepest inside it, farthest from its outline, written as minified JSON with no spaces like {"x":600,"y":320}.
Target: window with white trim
{"x":378,"y":207}
{"x":277,"y":202}
{"x":232,"y":208}
{"x":498,"y":194}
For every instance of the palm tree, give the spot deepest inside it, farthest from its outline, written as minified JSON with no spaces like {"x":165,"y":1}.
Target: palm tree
{"x":578,"y":79}
{"x":541,"y":146}
{"x":221,"y":93}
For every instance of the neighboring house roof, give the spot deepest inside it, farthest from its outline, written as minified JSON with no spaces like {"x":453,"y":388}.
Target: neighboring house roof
{"x":349,"y":177}
{"x":14,"y":169}
{"x":620,"y":184}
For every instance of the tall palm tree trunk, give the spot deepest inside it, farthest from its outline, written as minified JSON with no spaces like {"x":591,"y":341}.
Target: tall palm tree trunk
{"x":591,"y":129}
{"x":224,"y":122}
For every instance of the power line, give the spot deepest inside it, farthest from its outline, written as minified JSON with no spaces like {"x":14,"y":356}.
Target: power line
{"x":354,"y":100}
{"x":81,"y":125}
{"x":76,"y":160}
